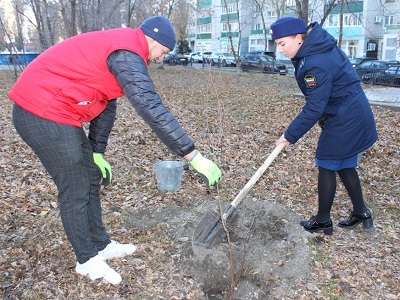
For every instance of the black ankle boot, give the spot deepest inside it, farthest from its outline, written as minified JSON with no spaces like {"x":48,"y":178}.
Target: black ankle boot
{"x":354,"y":220}
{"x":313,"y":226}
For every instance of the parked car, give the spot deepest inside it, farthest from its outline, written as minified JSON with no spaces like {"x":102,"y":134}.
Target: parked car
{"x":175,"y":59}
{"x":262,"y":63}
{"x":373,"y":66}
{"x":259,"y":52}
{"x":225,"y":59}
{"x":356,"y":61}
{"x":204,"y":57}
{"x":390,"y":77}
{"x":288,"y":63}
{"x":197,"y":57}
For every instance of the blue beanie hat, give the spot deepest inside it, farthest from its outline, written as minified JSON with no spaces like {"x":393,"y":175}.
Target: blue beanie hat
{"x":287,"y":26}
{"x":160,"y":29}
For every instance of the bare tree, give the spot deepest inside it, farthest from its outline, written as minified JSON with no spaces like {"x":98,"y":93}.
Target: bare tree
{"x":19,"y":38}
{"x":39,"y":23}
{"x":260,"y":4}
{"x":13,"y":50}
{"x":235,"y":51}
{"x":130,"y":7}
{"x":180,"y":17}
{"x":50,"y":29}
{"x":302,"y":9}
{"x":68,"y":13}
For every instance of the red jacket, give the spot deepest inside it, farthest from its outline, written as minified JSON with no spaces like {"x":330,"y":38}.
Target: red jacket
{"x":70,"y":83}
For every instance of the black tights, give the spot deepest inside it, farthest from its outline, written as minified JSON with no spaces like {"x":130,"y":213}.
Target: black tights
{"x":327,"y":190}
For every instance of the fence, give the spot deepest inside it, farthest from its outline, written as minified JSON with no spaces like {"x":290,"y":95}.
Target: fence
{"x":17,"y":58}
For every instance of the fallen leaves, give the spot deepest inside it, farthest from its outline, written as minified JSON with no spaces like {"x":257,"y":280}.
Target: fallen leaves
{"x":234,"y":119}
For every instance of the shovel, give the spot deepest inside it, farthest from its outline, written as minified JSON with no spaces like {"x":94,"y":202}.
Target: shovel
{"x":210,"y":231}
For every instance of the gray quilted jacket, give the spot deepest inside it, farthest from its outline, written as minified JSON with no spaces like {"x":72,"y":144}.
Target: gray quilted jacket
{"x":132,"y":75}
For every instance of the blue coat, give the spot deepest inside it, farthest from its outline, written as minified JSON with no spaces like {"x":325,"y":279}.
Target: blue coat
{"x":334,"y":98}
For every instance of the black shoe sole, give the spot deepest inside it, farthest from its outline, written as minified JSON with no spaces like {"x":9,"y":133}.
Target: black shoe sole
{"x":367,"y":224}
{"x":327,"y":231}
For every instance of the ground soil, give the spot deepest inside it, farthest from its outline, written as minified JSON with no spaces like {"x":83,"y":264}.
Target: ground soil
{"x":267,"y":254}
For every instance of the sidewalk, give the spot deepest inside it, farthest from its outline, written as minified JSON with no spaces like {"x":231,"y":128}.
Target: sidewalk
{"x":383,"y":96}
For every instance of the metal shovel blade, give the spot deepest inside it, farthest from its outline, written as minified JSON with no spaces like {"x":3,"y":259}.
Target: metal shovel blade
{"x":210,"y":231}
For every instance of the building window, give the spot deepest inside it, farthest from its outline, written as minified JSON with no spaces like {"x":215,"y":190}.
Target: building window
{"x":352,"y":19}
{"x":391,"y":42}
{"x":389,"y":20}
{"x":229,"y":8}
{"x":357,"y":19}
{"x":225,"y":27}
{"x":234,"y":27}
{"x":204,"y":28}
{"x":291,"y":3}
{"x":333,"y":21}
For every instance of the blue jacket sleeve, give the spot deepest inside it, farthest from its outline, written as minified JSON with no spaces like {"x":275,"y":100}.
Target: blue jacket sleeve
{"x":132,"y":75}
{"x":316,"y":101}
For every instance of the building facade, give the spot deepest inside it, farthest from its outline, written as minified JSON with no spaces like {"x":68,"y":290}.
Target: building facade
{"x":369,"y":28}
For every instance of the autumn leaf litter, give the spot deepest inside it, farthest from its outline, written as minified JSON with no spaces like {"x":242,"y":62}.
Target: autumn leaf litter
{"x":234,"y":118}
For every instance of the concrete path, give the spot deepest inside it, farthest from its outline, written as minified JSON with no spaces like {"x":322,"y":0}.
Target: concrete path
{"x":384,"y":96}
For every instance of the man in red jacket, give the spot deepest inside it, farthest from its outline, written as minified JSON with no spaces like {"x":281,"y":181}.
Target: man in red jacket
{"x":76,"y":81}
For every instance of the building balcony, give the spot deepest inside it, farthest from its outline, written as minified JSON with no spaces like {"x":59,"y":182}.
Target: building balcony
{"x":203,"y":36}
{"x":228,"y":34}
{"x":260,"y":31}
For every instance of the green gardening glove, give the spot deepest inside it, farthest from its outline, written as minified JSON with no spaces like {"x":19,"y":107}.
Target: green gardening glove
{"x":104,"y":168}
{"x":208,"y":170}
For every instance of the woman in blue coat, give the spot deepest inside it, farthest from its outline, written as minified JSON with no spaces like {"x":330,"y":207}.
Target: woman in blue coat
{"x":335,"y":100}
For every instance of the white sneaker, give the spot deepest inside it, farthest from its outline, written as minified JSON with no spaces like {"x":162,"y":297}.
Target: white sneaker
{"x":96,"y":268}
{"x":115,"y":249}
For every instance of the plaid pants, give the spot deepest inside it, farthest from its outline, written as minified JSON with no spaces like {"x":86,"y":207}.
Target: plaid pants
{"x":67,"y":155}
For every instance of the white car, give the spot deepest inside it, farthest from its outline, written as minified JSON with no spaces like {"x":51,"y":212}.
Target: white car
{"x":199,"y":56}
{"x":225,"y":59}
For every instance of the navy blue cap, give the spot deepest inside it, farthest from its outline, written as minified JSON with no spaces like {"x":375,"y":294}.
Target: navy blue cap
{"x":160,"y":29}
{"x":287,"y":26}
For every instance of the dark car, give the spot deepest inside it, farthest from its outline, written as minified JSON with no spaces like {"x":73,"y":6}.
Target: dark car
{"x":262,"y":63}
{"x":175,"y":59}
{"x":359,"y":60}
{"x":389,"y":77}
{"x":373,"y":66}
{"x":259,"y":52}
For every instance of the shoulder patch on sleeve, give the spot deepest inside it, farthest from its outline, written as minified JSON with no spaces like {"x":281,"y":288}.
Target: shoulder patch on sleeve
{"x":310,"y":80}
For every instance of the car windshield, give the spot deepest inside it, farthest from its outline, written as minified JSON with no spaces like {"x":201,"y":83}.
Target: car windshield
{"x":391,"y":70}
{"x":265,"y":58}
{"x":366,"y":64}
{"x":355,"y":60}
{"x":228,"y":54}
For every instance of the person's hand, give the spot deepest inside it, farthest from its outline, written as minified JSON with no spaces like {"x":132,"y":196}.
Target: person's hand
{"x":208,"y":170}
{"x":104,"y":168}
{"x":283,"y":140}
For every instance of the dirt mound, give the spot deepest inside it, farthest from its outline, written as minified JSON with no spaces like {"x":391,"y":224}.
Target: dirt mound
{"x":268,"y":249}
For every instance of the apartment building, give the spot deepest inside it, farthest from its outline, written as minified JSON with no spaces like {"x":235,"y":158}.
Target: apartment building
{"x":369,"y":28}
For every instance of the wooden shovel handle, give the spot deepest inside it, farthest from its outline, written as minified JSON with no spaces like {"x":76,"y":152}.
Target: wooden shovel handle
{"x":257,"y":174}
